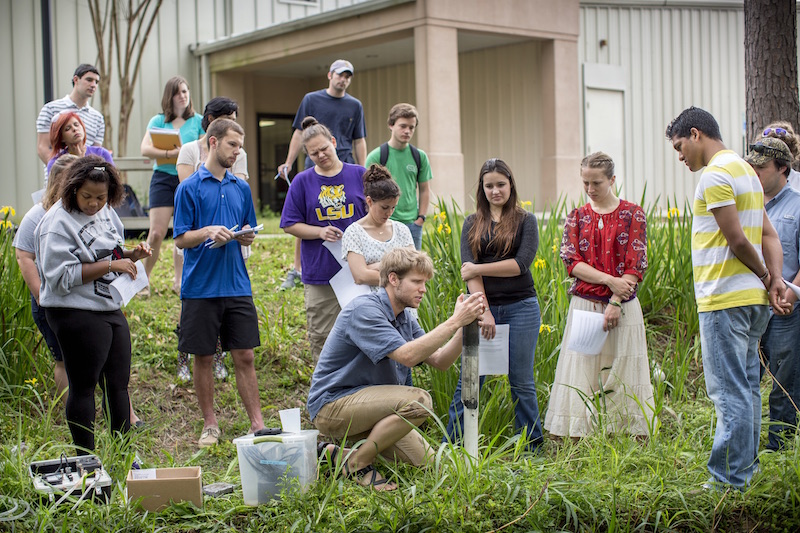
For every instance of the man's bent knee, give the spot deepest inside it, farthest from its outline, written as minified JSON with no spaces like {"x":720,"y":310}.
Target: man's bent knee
{"x":419,"y":405}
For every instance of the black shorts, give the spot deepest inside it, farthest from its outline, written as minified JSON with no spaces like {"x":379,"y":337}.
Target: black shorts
{"x":162,"y":189}
{"x":234,"y":320}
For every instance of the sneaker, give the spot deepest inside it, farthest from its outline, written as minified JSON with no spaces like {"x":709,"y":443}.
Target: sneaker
{"x":184,"y":375}
{"x":220,"y":372}
{"x":292,"y":280}
{"x":209,"y":437}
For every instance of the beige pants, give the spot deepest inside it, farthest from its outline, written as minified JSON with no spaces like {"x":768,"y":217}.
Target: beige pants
{"x":322,"y":308}
{"x":356,"y":414}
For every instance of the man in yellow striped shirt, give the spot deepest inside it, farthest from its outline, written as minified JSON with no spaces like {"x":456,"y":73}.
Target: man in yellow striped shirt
{"x":737,"y":261}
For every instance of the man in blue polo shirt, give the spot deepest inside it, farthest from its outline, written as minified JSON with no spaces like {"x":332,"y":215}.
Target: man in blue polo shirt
{"x":216,"y":297}
{"x":780,"y":344}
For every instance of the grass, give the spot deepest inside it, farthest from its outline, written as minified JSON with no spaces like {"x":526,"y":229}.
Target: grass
{"x":602,"y":483}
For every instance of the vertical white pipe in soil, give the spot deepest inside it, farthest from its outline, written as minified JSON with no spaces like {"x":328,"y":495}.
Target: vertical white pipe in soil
{"x":470,"y":386}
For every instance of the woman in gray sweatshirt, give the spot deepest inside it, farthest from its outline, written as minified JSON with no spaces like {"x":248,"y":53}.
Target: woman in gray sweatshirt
{"x":80,"y":247}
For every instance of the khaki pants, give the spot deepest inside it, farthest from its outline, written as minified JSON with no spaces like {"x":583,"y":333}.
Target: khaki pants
{"x":356,"y":414}
{"x":322,"y":308}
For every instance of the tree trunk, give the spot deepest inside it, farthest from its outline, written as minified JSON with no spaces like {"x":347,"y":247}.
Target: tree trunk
{"x":770,"y":63}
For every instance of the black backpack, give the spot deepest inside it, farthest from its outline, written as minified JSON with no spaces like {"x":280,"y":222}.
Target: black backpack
{"x":414,"y":154}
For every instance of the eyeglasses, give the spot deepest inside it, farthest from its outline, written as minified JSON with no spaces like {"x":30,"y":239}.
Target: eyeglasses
{"x":768,"y":151}
{"x":780,"y":132}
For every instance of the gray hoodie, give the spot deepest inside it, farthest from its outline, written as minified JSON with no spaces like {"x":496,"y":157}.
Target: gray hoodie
{"x":64,"y":241}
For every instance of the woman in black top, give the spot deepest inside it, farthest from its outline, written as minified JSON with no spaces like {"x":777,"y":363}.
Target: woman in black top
{"x":498,"y":244}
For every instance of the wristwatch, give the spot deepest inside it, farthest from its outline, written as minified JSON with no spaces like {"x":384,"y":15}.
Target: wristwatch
{"x":420,"y":215}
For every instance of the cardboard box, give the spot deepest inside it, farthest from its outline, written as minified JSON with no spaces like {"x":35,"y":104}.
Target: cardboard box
{"x":159,"y":486}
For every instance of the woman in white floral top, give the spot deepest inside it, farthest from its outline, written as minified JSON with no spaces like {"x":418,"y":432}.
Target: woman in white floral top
{"x":365,"y":242}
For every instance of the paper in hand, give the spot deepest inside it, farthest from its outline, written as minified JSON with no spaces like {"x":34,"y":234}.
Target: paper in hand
{"x":124,"y":288}
{"x":587,"y":335}
{"x":493,"y":354}
{"x":794,"y":288}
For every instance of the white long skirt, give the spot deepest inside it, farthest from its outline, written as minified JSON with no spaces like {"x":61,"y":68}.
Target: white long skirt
{"x":610,"y":391}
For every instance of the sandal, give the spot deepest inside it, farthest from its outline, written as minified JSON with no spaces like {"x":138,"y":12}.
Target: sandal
{"x":322,"y":449}
{"x":374,"y":482}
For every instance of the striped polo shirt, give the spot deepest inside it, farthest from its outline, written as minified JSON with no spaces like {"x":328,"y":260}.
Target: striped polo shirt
{"x":91,"y":117}
{"x":722,"y":281}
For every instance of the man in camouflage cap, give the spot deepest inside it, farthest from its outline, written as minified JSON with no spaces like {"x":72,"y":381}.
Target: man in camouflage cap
{"x":780,"y":344}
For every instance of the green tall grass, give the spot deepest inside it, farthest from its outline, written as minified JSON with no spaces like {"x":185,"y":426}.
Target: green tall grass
{"x":23,"y":354}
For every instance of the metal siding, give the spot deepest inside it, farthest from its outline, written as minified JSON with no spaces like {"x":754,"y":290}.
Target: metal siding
{"x":22,"y":172}
{"x":500,"y":114}
{"x":379,"y":89}
{"x":674,"y":58}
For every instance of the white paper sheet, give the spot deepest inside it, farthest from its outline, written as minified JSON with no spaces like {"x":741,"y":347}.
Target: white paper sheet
{"x":794,"y":288}
{"x":335,"y":248}
{"x":343,"y":284}
{"x":493,"y":354}
{"x":144,"y":473}
{"x":587,"y":335}
{"x":345,"y":287}
{"x":124,"y":287}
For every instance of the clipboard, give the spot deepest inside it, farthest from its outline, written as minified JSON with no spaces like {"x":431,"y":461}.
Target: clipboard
{"x":166,"y":139}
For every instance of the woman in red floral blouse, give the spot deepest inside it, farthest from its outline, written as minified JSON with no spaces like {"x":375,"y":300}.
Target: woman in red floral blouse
{"x":605,"y":249}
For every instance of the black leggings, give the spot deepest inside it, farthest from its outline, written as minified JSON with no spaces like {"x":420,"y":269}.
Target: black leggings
{"x":96,"y":346}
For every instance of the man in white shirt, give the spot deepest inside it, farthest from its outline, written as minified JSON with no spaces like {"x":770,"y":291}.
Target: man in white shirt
{"x":84,"y":85}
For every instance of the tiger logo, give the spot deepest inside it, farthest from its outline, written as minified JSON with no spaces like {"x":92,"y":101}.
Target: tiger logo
{"x":332,"y":196}
{"x":333,"y":200}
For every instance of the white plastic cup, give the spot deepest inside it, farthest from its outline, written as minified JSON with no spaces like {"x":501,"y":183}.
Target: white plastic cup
{"x":290,"y":420}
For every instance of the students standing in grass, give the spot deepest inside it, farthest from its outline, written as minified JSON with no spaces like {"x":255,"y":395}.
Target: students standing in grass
{"x":498,"y":245}
{"x":216,"y":295}
{"x":737,"y":264}
{"x":191,"y":156}
{"x":79,"y":246}
{"x":25,"y":249}
{"x":322,"y":201}
{"x":780,"y":344}
{"x":177,"y":113}
{"x":343,"y":115}
{"x":605,"y":249}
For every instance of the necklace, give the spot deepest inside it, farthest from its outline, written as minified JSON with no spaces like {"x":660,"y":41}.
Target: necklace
{"x":600,"y":224}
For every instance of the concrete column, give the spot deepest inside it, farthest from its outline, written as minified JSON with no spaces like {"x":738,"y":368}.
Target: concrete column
{"x":561,"y":122}
{"x":438,"y":103}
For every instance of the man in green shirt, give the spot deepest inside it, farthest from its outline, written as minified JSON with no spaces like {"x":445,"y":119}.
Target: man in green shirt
{"x":408,"y":166}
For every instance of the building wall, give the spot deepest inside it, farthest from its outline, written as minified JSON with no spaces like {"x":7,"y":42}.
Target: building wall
{"x":180,"y":24}
{"x":673,"y":58}
{"x":501,"y":114}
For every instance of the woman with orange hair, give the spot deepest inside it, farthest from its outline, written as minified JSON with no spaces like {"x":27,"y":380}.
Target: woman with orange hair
{"x":68,"y":136}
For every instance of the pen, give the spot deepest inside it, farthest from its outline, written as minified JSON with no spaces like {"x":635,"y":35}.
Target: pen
{"x":211,"y":242}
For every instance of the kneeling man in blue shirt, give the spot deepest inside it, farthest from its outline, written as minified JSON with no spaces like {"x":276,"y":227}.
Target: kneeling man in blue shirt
{"x":358,"y":389}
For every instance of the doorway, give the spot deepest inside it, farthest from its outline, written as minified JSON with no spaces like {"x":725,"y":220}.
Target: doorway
{"x":274,"y":134}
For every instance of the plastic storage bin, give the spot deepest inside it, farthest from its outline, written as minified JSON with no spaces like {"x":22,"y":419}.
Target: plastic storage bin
{"x":268,"y":464}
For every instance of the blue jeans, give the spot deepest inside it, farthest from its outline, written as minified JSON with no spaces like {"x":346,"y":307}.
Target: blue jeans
{"x":729,"y":340}
{"x":416,"y":234}
{"x":781,"y":347}
{"x":524,"y":319}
